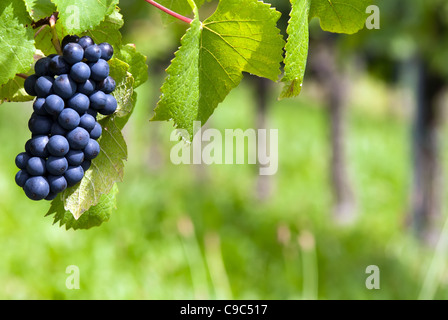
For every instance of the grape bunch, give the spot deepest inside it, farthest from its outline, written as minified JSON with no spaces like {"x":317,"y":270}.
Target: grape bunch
{"x":70,"y":89}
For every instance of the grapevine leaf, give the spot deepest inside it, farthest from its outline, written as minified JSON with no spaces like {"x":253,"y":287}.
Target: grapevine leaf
{"x":108,"y":30}
{"x":241,"y":36}
{"x":93,"y":217}
{"x":296,"y":48}
{"x":341,"y":16}
{"x":13,"y":91}
{"x":107,"y":168}
{"x":137,"y":62}
{"x":16,"y":40}
{"x":78,"y":16}
{"x":39,"y":9}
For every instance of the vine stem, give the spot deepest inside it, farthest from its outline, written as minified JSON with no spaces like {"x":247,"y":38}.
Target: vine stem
{"x":54,"y":38}
{"x":170,"y":12}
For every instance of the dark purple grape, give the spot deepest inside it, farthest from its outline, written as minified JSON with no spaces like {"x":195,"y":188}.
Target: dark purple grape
{"x":36,"y":166}
{"x":58,"y":66}
{"x":107,"y":51}
{"x":85,"y":42}
{"x":107,"y":85}
{"x":73,"y":175}
{"x":80,"y":72}
{"x":37,"y":188}
{"x":69,"y":39}
{"x":73,"y":53}
{"x":99,"y":70}
{"x":110,"y":107}
{"x":64,"y":86}
{"x":29,"y":85}
{"x":78,"y":138}
{"x":21,"y":177}
{"x":92,"y":53}
{"x":92,"y":150}
{"x":44,"y":86}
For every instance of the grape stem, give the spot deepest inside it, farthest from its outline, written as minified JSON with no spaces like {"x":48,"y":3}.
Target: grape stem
{"x":22,"y":75}
{"x":170,"y":12}
{"x":54,"y":38}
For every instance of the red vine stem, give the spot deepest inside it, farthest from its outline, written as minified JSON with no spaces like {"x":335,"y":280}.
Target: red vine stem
{"x":170,"y":12}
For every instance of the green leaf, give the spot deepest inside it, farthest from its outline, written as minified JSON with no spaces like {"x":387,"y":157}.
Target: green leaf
{"x":78,"y":16}
{"x":340,"y":16}
{"x":241,"y":36}
{"x":137,"y":62}
{"x":107,"y":168}
{"x":16,"y":40}
{"x":108,"y":30}
{"x":93,"y":217}
{"x":13,"y":91}
{"x":296,"y":48}
{"x":39,"y":9}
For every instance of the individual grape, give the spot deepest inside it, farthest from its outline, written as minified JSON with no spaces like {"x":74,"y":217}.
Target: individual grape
{"x":75,"y":157}
{"x":78,"y":138}
{"x":36,"y":188}
{"x":92,"y":112}
{"x":80,"y":72}
{"x":99,"y":70}
{"x":110,"y":107}
{"x":22,"y":160}
{"x":87,"y":122}
{"x":30,"y":83}
{"x":92,"y":150}
{"x":40,"y":125}
{"x":64,"y":86}
{"x":79,"y":102}
{"x":36,"y":166}
{"x":51,"y":196}
{"x":56,"y":129}
{"x":38,"y":107}
{"x":107,"y":51}
{"x":107,"y":85}
{"x":69,"y":39}
{"x":58,"y":66}
{"x":28,"y":146}
{"x":96,"y":132}
{"x":44,"y":86}
{"x":54,"y":104}
{"x":73,"y":175}
{"x":56,"y":165}
{"x":58,"y":146}
{"x":68,"y":119}
{"x":41,"y":68}
{"x":98,"y":100}
{"x":87,"y":87}
{"x":57,"y":183}
{"x":92,"y":53}
{"x":85,"y":42}
{"x":21,"y":177}
{"x":37,"y":146}
{"x":73,"y":53}
{"x":86,"y":165}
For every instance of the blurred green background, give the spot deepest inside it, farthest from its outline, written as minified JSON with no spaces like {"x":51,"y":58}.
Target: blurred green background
{"x":203,"y":232}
